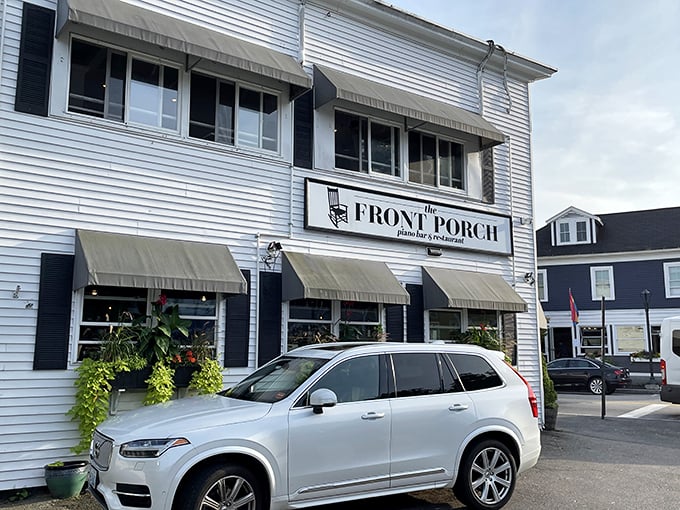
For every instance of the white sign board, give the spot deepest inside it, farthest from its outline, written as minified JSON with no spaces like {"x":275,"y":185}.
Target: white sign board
{"x":348,"y":210}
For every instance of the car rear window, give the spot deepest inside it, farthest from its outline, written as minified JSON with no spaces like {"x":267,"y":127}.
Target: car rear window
{"x":475,"y":372}
{"x":416,"y":374}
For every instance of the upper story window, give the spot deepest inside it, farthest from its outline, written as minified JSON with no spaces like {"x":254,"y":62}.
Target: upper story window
{"x":602,"y":283}
{"x":362,"y":144}
{"x":114,"y":85}
{"x":225,"y":112}
{"x":573,"y":231}
{"x":435,"y":161}
{"x":542,"y":284}
{"x":671,"y":272}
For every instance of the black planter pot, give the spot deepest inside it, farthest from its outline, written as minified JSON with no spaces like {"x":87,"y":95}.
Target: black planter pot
{"x":550,"y":418}
{"x":183,"y":375}
{"x":132,"y":380}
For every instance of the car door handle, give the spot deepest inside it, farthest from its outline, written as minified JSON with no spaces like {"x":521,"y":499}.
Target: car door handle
{"x":458,"y":407}
{"x":372,"y":416}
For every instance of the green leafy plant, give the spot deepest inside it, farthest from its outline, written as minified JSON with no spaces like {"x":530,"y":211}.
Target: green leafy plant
{"x":161,"y":386}
{"x":158,"y":342}
{"x":644,"y":354}
{"x":549,"y":393}
{"x":483,"y":337}
{"x":208,"y":379}
{"x":19,"y":496}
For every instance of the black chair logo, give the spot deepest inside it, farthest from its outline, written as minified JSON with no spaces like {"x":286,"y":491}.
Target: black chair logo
{"x":337,"y":212}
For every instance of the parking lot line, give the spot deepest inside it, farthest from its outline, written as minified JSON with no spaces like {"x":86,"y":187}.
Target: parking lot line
{"x":643,"y":411}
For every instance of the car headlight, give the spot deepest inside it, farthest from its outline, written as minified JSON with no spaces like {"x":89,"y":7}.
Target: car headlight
{"x":150,"y":448}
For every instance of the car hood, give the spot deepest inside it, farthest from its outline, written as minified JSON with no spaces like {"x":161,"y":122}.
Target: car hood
{"x":179,"y":417}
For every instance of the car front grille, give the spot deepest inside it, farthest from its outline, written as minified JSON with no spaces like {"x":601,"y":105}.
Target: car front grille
{"x":100,"y":451}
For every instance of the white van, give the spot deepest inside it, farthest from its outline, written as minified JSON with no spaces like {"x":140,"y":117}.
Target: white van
{"x":670,"y":360}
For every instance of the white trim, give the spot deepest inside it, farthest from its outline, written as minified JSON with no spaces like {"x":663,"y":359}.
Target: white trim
{"x":593,"y":289}
{"x":607,"y":258}
{"x":572,"y":231}
{"x":542,"y":274}
{"x":666,"y":278}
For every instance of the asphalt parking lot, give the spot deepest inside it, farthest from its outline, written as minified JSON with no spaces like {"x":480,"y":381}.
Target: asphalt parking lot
{"x":628,"y":461}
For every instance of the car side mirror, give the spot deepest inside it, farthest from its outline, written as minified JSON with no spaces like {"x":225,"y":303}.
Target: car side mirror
{"x":323,"y":397}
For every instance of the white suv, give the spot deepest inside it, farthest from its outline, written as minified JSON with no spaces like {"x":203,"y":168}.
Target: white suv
{"x":328,"y":423}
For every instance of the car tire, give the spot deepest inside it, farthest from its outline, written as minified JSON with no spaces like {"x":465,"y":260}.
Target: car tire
{"x":213,"y":487}
{"x":487,"y":475}
{"x":595,"y":385}
{"x":610,"y":389}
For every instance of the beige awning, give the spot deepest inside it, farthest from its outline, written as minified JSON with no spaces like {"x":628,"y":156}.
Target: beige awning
{"x":321,"y":277}
{"x":146,"y":262}
{"x":542,"y":319}
{"x":330,"y":84}
{"x":169,"y":32}
{"x":450,"y":288}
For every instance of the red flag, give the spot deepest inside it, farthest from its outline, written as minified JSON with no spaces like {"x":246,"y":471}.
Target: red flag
{"x":572,"y":307}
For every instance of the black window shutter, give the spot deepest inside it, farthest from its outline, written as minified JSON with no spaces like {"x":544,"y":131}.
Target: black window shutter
{"x":303,"y":131}
{"x":269,"y":341}
{"x":54,"y":312}
{"x":237,"y":336}
{"x":488,"y":193}
{"x":414,"y":314}
{"x":394,"y":319}
{"x":35,"y":60}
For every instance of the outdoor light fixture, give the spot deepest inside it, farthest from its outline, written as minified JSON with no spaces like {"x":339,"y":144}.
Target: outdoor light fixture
{"x":529,"y":278}
{"x":273,"y":251}
{"x":434,"y":252}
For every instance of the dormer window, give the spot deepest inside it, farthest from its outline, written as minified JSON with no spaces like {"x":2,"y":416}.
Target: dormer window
{"x":573,"y":231}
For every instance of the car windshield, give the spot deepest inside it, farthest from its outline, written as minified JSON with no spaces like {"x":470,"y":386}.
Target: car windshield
{"x":275,"y":381}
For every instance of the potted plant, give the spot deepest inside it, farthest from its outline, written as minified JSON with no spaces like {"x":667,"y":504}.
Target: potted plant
{"x":66,"y":479}
{"x":550,"y":404}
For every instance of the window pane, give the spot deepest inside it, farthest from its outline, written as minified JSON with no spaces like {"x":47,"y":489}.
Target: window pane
{"x":202,"y":304}
{"x":564,"y":232}
{"x":88,"y":78}
{"x":630,"y":338}
{"x":225,"y":113}
{"x":451,"y":164}
{"x":249,"y":118}
{"x":305,"y":333}
{"x":445,"y":325}
{"x":423,"y":161}
{"x":115,"y":89}
{"x":270,"y":122}
{"x":310,"y":309}
{"x":350,"y":142}
{"x":581,"y":232}
{"x":416,"y":374}
{"x":355,"y":311}
{"x":415,"y":170}
{"x":113,"y":304}
{"x":384,"y":147}
{"x":602,"y":283}
{"x":540,"y":283}
{"x":170,"y":88}
{"x":488,"y":318}
{"x":145,"y":93}
{"x":475,"y":372}
{"x":202,"y":107}
{"x":674,"y":280}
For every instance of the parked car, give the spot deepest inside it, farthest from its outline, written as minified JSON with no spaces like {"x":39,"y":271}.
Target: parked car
{"x":328,"y":423}
{"x":586,"y":373}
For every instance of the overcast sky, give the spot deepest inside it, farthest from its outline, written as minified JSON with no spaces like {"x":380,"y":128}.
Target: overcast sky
{"x":605,"y":126}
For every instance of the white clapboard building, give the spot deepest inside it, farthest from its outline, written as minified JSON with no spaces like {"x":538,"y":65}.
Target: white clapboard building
{"x":282,"y":169}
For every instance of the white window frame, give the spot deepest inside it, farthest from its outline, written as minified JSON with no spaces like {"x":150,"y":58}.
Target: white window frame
{"x":572,"y":232}
{"x":542,"y":282}
{"x":465,"y":181}
{"x":667,"y":266}
{"x":593,"y":283}
{"x":620,"y":329}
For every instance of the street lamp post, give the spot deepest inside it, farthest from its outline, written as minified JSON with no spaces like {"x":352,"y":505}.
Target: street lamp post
{"x":645,"y":299}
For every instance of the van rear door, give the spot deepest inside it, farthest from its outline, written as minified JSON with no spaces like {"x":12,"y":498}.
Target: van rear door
{"x":670,"y":360}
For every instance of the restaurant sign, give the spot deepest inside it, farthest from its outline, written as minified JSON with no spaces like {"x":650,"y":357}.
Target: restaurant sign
{"x":348,"y":210}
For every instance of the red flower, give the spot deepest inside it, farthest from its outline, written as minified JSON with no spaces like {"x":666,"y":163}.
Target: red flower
{"x":162,"y":300}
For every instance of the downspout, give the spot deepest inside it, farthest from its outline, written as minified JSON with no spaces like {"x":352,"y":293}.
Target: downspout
{"x":257,"y":298}
{"x":480,"y":70}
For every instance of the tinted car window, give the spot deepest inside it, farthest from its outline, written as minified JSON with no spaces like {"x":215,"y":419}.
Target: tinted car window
{"x":475,"y":372}
{"x":449,"y":377}
{"x":353,"y":380}
{"x":558,"y":363}
{"x":581,"y":363}
{"x":416,"y":374}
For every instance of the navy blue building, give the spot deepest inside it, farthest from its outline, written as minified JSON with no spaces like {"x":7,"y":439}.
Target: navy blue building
{"x":631,"y":259}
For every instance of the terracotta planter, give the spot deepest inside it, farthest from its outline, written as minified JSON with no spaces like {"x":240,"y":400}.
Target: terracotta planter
{"x":67,"y":480}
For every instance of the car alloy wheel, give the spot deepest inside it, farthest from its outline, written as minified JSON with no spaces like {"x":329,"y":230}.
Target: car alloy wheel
{"x":487,"y":476}
{"x":595,"y":385}
{"x":228,"y":488}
